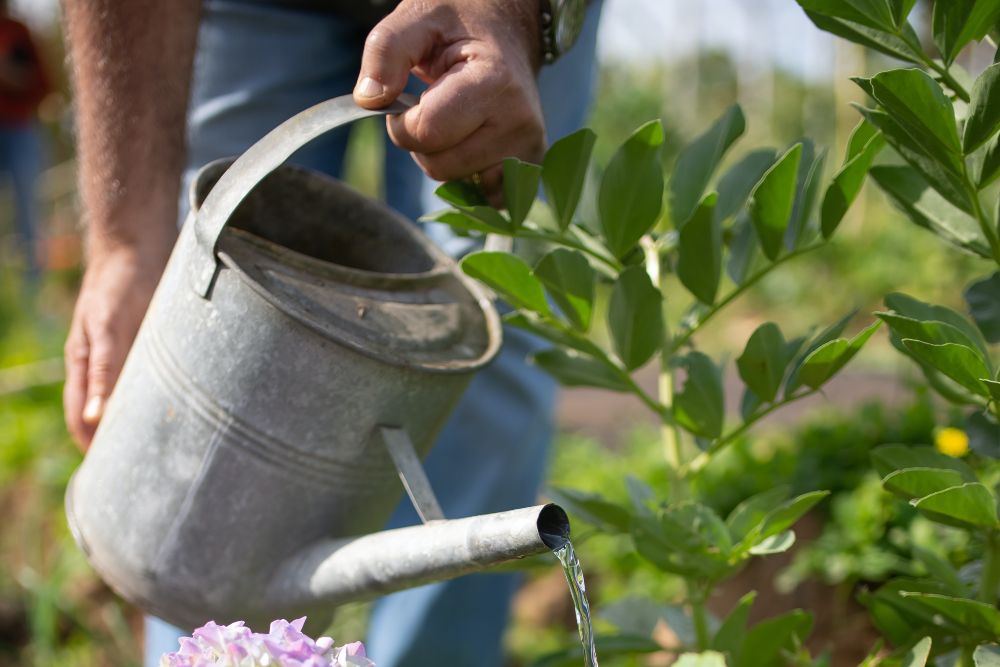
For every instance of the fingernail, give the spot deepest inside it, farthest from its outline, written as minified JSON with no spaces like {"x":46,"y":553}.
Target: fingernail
{"x":93,"y":410}
{"x":369,"y":87}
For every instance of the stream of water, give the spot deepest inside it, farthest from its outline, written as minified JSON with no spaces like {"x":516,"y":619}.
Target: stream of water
{"x":578,"y":591}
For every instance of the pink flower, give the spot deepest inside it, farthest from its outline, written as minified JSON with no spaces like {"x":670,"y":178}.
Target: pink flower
{"x":284,"y":645}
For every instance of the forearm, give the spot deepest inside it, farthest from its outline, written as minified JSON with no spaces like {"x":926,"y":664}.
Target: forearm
{"x":131,"y":66}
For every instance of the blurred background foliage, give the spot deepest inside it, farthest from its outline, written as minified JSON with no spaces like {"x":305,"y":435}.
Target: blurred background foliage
{"x":54,"y":612}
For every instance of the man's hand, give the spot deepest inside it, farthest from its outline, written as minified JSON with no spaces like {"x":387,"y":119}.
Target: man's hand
{"x":480,"y":58}
{"x":116,"y":291}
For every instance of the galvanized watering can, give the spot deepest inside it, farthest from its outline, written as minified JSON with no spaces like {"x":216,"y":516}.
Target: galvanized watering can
{"x":301,"y":352}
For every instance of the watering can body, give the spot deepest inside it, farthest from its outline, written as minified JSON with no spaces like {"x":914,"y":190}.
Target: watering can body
{"x":243,"y":445}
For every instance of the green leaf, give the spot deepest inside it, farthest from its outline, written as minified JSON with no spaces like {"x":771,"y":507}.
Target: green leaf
{"x":736,"y":184}
{"x":775,"y":544}
{"x":635,"y":317}
{"x":983,"y":298}
{"x":928,"y":331}
{"x":574,"y":370}
{"x":509,"y":277}
{"x":699,"y":262}
{"x":941,"y":570}
{"x":570,"y":281}
{"x":989,"y":170}
{"x":827,"y":360}
{"x":919,"y":310}
{"x":830,"y":333}
{"x":917,"y":656}
{"x":766,"y":641}
{"x":916,"y":101}
{"x":461,"y":193}
{"x":871,"y":13}
{"x":631,"y":194}
{"x":697,"y":162}
{"x":592,"y":508}
{"x":983,"y":120}
{"x":750,"y":513}
{"x":901,"y":10}
{"x":958,"y":22}
{"x":807,"y":189}
{"x":762,"y":364}
{"x":706,"y":659}
{"x":911,"y":193}
{"x":464,"y":222}
{"x":993,"y":386}
{"x":966,"y":613}
{"x":639,"y":616}
{"x":564,"y":173}
{"x":785,"y":515}
{"x":848,"y":181}
{"x":700,"y":405}
{"x":889,"y":458}
{"x":771,"y":201}
{"x":919,"y":482}
{"x":943,"y":178}
{"x":968,"y":505}
{"x":744,"y":248}
{"x":520,"y":187}
{"x":959,"y":362}
{"x":729,"y":637}
{"x":987,"y":655}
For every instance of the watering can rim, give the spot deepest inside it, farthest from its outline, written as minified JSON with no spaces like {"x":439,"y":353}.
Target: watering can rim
{"x":284,"y":139}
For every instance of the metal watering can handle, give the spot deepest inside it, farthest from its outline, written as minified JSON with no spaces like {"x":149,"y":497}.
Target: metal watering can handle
{"x":269,"y":153}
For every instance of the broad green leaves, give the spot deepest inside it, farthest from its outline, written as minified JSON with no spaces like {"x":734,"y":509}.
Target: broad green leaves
{"x":569,"y":279}
{"x":983,"y":120}
{"x":700,"y":405}
{"x":771,"y":201}
{"x":564,"y":173}
{"x":826,"y":360}
{"x":575,"y":370}
{"x":958,"y":22}
{"x":520,"y":185}
{"x":941,"y":487}
{"x":864,"y":145}
{"x":699,"y":264}
{"x":698,"y":161}
{"x":510,"y":277}
{"x":635,"y":317}
{"x":763,"y":362}
{"x":631,"y":192}
{"x":983,"y":298}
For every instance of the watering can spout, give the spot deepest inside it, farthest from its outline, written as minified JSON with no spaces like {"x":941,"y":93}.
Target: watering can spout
{"x":339,"y":570}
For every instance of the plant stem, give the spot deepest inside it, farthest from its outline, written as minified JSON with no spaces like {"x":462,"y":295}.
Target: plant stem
{"x":700,"y":620}
{"x":985,"y":224}
{"x":670,"y":437}
{"x":946,"y":76}
{"x":990,"y":578}
{"x":681,"y":340}
{"x":725,"y":440}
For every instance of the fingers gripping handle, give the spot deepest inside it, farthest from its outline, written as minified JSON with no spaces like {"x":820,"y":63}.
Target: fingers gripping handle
{"x":260,"y":160}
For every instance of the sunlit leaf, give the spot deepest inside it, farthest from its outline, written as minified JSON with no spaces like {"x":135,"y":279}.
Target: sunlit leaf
{"x":570,"y":281}
{"x":699,"y":262}
{"x":631,"y":194}
{"x":574,"y":370}
{"x":520,"y":187}
{"x":635,"y":317}
{"x":970,"y":505}
{"x":698,"y":161}
{"x":771,"y":201}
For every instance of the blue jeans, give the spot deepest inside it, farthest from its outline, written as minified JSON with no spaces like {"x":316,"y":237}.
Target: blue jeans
{"x":258,"y":65}
{"x":21,"y":162}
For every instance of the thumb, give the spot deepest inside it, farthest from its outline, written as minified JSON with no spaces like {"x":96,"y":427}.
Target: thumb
{"x":102,"y":372}
{"x":393,"y":47}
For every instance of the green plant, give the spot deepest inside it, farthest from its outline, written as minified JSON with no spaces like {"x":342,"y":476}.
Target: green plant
{"x":943,"y":130}
{"x":652,"y":247}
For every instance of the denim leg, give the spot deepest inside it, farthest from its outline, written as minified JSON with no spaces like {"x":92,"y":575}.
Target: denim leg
{"x":21,"y":158}
{"x":491,"y":455}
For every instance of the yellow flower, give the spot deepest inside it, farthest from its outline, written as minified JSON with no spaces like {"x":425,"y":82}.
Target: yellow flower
{"x":952,"y":441}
